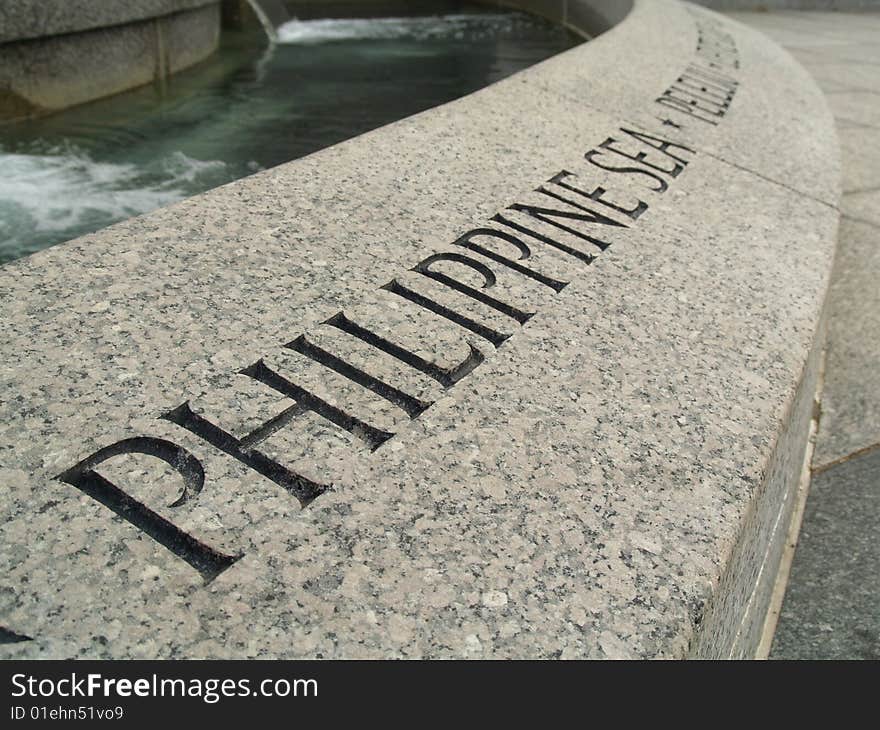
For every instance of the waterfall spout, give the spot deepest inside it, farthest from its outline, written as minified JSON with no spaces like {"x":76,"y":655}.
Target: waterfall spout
{"x":271,"y":14}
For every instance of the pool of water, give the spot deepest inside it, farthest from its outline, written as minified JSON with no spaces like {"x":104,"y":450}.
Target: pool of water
{"x":247,"y":109}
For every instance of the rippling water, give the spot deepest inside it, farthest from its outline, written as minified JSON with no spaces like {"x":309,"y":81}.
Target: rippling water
{"x":245,"y":110}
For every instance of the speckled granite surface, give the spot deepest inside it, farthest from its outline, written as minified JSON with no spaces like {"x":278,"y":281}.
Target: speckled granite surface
{"x":504,"y":466}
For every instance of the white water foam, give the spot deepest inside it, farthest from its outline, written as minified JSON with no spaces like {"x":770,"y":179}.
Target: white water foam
{"x":305,"y":32}
{"x":62,"y":190}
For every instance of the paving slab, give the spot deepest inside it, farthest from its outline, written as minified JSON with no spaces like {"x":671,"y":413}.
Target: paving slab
{"x":859,"y":107}
{"x":797,"y":29}
{"x":860,"y":152}
{"x":830,"y":609}
{"x":854,"y":75}
{"x":850,"y":405}
{"x":863,"y":206}
{"x":845,"y":55}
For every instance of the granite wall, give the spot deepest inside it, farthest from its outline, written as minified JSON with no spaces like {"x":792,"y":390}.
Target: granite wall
{"x":58,"y":53}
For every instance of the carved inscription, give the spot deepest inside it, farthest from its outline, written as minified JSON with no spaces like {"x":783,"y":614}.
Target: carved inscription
{"x":10,"y":637}
{"x":565,"y":215}
{"x":203,"y":558}
{"x":706,"y":88}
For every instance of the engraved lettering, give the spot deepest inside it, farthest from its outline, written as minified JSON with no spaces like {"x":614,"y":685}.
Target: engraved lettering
{"x":683,"y":106}
{"x":373,"y":436}
{"x":495,"y":337}
{"x":585,"y":257}
{"x":489,"y":279}
{"x":524,"y":253}
{"x":205,"y":559}
{"x":413,"y":406}
{"x":702,"y":91}
{"x":594,"y":153}
{"x":304,"y":489}
{"x":11,"y":637}
{"x":549,"y":216}
{"x":446,"y":377}
{"x":640,"y":157}
{"x":597,"y":194}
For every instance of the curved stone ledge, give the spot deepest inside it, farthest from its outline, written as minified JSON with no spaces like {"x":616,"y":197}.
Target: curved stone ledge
{"x":548,"y":434}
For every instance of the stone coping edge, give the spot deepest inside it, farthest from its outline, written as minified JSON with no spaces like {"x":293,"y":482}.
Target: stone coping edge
{"x":529,"y":374}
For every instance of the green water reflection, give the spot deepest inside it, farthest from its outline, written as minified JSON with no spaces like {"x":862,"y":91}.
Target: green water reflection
{"x":247,"y":109}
